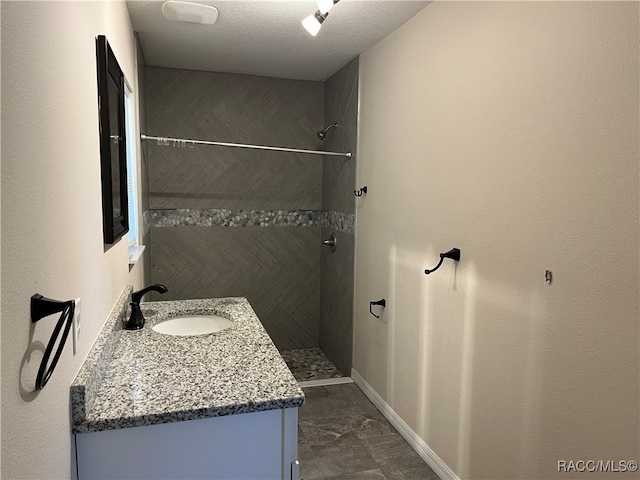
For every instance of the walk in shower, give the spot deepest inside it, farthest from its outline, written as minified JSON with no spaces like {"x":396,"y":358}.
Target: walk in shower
{"x":226,"y":222}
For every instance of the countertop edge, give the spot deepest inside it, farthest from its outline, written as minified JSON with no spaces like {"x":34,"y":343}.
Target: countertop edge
{"x":184,"y":416}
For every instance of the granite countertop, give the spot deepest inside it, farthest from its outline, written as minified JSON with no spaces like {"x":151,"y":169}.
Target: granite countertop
{"x":153,"y":378}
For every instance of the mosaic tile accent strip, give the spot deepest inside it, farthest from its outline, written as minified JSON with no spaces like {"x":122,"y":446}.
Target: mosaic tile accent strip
{"x":310,"y":364}
{"x":154,"y":378}
{"x":184,"y":217}
{"x":342,"y":222}
{"x":89,"y":379}
{"x":235,"y":218}
{"x":146,"y":222}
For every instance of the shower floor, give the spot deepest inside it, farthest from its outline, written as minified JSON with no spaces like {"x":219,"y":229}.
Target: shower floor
{"x":310,"y":364}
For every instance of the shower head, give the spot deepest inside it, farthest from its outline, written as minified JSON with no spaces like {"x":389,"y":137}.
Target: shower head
{"x":322,"y":134}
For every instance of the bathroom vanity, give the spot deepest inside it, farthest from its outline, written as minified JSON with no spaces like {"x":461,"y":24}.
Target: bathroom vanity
{"x":220,"y":405}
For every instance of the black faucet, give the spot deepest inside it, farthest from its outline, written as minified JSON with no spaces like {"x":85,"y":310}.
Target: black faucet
{"x":136,"y":320}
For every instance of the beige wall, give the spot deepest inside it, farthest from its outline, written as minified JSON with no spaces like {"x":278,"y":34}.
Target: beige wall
{"x":51,"y":213}
{"x":508,"y":130}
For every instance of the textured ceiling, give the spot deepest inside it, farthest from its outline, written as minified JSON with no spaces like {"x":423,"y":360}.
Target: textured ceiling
{"x":266,"y":38}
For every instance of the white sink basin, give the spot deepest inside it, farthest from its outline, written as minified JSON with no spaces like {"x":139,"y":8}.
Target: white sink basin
{"x":189,"y":325}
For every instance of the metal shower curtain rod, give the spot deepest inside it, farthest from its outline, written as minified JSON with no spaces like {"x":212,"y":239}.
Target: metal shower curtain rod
{"x":183,"y":141}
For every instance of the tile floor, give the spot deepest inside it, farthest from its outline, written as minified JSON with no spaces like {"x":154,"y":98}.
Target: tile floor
{"x":342,"y":436}
{"x":310,"y":364}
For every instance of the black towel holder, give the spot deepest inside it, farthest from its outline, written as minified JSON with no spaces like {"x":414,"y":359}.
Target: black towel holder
{"x":453,"y":254}
{"x":43,"y":307}
{"x":382,"y":303}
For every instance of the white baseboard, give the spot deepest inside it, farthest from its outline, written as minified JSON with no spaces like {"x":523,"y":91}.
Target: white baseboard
{"x":412,"y":438}
{"x":325,"y":382}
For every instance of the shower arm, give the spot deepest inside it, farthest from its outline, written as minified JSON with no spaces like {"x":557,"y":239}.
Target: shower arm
{"x":333,"y":125}
{"x":322,"y":134}
{"x":243,"y":145}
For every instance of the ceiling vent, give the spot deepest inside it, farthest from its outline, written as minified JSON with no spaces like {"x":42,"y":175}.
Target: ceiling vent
{"x":190,"y":12}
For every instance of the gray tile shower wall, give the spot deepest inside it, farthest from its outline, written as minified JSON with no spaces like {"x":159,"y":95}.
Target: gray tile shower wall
{"x":277,"y":269}
{"x":241,"y":109}
{"x":336,"y":301}
{"x":341,"y":105}
{"x":338,"y":184}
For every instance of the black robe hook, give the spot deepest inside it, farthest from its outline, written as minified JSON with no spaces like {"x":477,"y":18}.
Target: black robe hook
{"x":362,"y":191}
{"x":453,"y":254}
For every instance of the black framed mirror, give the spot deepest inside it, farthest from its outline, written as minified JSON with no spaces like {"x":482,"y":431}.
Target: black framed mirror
{"x":113,"y":152}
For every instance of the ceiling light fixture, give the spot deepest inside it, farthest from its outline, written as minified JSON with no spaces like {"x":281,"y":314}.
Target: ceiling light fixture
{"x":313,"y":22}
{"x":325,"y":5}
{"x":189,"y":12}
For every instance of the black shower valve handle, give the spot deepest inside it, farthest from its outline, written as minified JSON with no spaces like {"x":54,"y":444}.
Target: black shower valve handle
{"x":382,"y":302}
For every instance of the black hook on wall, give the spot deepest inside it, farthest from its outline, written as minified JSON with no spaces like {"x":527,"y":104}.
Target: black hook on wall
{"x":453,"y":254}
{"x":362,"y":191}
{"x":382,"y":303}
{"x":43,"y":307}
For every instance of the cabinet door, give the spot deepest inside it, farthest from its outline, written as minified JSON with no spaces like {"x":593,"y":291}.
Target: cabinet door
{"x":246,"y":446}
{"x":290,"y":444}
